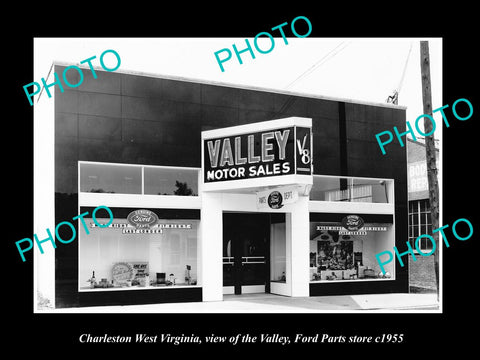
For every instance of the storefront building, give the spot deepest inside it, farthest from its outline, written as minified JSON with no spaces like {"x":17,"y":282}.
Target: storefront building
{"x":421,"y":271}
{"x":214,"y":190}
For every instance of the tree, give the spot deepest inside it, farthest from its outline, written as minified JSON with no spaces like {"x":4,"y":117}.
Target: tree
{"x":182,"y":189}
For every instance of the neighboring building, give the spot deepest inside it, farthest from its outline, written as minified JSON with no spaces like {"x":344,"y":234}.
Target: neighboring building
{"x":421,"y":271}
{"x":214,"y":189}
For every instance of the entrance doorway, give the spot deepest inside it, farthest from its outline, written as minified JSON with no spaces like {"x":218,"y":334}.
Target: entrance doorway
{"x":246,"y":253}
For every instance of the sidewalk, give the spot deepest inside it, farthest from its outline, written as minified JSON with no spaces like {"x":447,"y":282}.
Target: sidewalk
{"x":268,"y":303}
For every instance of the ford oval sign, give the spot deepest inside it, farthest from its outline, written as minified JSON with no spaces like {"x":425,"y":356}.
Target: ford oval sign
{"x":275,"y":200}
{"x":352,"y":222}
{"x":142,"y":218}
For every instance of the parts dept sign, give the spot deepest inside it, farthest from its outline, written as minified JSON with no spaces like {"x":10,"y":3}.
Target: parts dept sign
{"x":276,"y":198}
{"x":276,"y":152}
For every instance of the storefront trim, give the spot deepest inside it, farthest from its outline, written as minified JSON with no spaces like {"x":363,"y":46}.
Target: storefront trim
{"x":184,"y":79}
{"x":350,"y":207}
{"x":140,"y":296}
{"x":139,"y":201}
{"x":246,"y":289}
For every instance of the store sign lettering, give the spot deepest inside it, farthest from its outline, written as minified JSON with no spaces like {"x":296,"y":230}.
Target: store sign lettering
{"x":351,"y":225}
{"x":153,"y":229}
{"x":142,"y":231}
{"x":417,"y":176}
{"x":268,"y":153}
{"x":304,"y":150}
{"x":352,"y":233}
{"x":341,"y":228}
{"x":277,"y":198}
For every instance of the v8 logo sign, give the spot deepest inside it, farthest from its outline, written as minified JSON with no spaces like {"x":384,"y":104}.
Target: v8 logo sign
{"x":303,"y":139}
{"x":305,"y":153}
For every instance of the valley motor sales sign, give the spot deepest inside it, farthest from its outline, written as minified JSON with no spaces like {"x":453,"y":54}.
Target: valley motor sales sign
{"x":241,"y":154}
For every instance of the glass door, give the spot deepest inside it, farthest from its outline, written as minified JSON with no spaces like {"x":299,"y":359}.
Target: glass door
{"x":246,"y":252}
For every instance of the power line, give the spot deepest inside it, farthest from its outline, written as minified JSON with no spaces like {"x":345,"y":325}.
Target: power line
{"x":332,"y":53}
{"x":400,"y":84}
{"x":394,"y":97}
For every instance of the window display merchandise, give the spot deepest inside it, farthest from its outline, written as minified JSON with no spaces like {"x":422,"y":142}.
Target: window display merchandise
{"x":164,"y":253}
{"x":339,"y":254}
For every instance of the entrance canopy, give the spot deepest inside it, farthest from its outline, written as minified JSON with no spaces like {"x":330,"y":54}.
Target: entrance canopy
{"x":259,"y":156}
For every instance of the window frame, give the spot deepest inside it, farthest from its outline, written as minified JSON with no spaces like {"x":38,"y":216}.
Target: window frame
{"x":351,"y":184}
{"x":415,"y":215}
{"x":81,"y":288}
{"x":142,"y":167}
{"x":139,"y":201}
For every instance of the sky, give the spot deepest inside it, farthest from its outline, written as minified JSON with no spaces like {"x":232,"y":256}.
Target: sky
{"x":363,"y":69}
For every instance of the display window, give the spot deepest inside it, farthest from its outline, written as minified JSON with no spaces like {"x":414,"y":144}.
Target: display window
{"x":155,"y":254}
{"x":340,"y":252}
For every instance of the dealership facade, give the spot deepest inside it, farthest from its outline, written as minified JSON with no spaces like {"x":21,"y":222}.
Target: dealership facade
{"x":214,"y":189}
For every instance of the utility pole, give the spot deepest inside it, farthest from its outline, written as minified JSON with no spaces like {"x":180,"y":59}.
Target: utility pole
{"x":430,"y":149}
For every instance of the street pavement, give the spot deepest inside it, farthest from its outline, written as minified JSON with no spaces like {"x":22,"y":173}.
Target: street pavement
{"x":269,"y":303}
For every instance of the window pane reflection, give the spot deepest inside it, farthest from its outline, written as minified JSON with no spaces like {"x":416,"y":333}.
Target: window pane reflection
{"x":165,"y":181}
{"x":350,"y":189}
{"x":103,"y":178}
{"x":138,"y":179}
